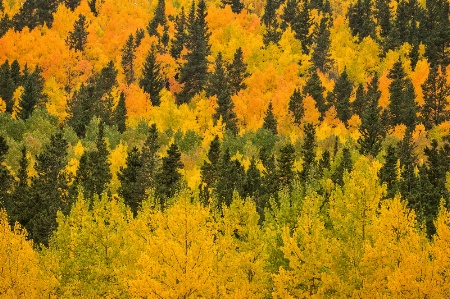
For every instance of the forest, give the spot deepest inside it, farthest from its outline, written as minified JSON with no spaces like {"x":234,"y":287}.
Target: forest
{"x":224,"y":149}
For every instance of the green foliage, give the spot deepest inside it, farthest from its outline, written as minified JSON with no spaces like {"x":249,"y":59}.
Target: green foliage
{"x":77,"y":38}
{"x":159,"y":18}
{"x":152,"y":81}
{"x":315,"y":89}
{"x":296,"y":106}
{"x":128,"y":59}
{"x":436,"y":91}
{"x":270,"y":122}
{"x":340,"y":97}
{"x":168,"y":179}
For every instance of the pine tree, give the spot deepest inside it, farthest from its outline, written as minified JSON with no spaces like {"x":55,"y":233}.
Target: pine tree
{"x":152,"y":81}
{"x":77,"y":38}
{"x":270,"y":122}
{"x":360,"y":19}
{"x":180,"y":36}
{"x":159,"y":19}
{"x":168,"y":179}
{"x":226,"y":180}
{"x":388,"y":172}
{"x":209,"y":170}
{"x":237,"y":72}
{"x":7,"y":86}
{"x":94,"y":173}
{"x":308,"y":151}
{"x":72,"y":4}
{"x":296,"y":106}
{"x":360,"y":104}
{"x":290,"y":13}
{"x":150,"y":159}
{"x":194,"y":73}
{"x":324,"y":162}
{"x":132,"y":187}
{"x":120,"y":114}
{"x":269,"y":18}
{"x":217,"y":80}
{"x":408,"y":161}
{"x":435,"y":91}
{"x":402,"y":107}
{"x":252,"y":185}
{"x":321,"y":56}
{"x":301,"y":26}
{"x":315,"y":89}
{"x":383,"y":17}
{"x":93,"y":7}
{"x":15,"y":73}
{"x":20,"y":200}
{"x":79,"y":109}
{"x":340,"y":97}
{"x":6,"y":178}
{"x":344,"y":165}
{"x":49,"y":189}
{"x":286,"y":166}
{"x":33,"y":94}
{"x":128,"y":57}
{"x":371,"y":129}
{"x":140,"y":34}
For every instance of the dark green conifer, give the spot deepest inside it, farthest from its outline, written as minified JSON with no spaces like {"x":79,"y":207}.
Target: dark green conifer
{"x":6,"y":178}
{"x":383,"y":17}
{"x":209,"y":170}
{"x":360,"y":19}
{"x":408,"y":162}
{"x":321,"y":56}
{"x":77,"y":38}
{"x":308,"y":151}
{"x":296,"y":106}
{"x":180,"y":36}
{"x":389,"y":171}
{"x":286,"y":166}
{"x":302,"y":25}
{"x":194,"y":73}
{"x":252,"y":185}
{"x":140,"y":34}
{"x":128,"y":57}
{"x":236,"y":5}
{"x":324,"y":162}
{"x":168,"y":179}
{"x":237,"y":72}
{"x":93,"y":7}
{"x":132,"y":187}
{"x":360,"y":104}
{"x":150,"y":159}
{"x":120,"y":114}
{"x":340,"y":97}
{"x":344,"y":165}
{"x":72,"y":4}
{"x":20,"y":198}
{"x":270,"y":122}
{"x":269,"y":19}
{"x":7,"y":86}
{"x":435,"y":91}
{"x":315,"y":89}
{"x":159,"y":18}
{"x":152,"y":81}
{"x":226,"y":180}
{"x":33,"y":94}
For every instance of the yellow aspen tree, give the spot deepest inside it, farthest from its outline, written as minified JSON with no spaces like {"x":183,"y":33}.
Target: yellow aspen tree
{"x":20,"y":273}
{"x":307,"y":249}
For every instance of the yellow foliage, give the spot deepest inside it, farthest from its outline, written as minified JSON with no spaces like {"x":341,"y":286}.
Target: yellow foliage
{"x":118,"y":159}
{"x":2,"y":105}
{"x":312,"y":114}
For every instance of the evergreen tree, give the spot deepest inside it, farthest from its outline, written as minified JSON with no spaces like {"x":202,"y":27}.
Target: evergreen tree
{"x":33,"y":93}
{"x":344,"y":165}
{"x":321,"y":56}
{"x":290,"y":13}
{"x":388,"y":172}
{"x":49,"y":189}
{"x":315,"y":89}
{"x":15,"y":73}
{"x":383,"y":17}
{"x":308,"y":151}
{"x":402,"y":107}
{"x":296,"y":106}
{"x":80,"y":110}
{"x":150,"y":159}
{"x":217,"y":81}
{"x":140,"y":34}
{"x":34,"y":13}
{"x":226,"y":180}
{"x":180,"y":36}
{"x":159,"y":19}
{"x":93,"y":7}
{"x":77,"y":38}
{"x":120,"y":114}
{"x":340,"y":97}
{"x":252,"y":185}
{"x":408,"y":161}
{"x":371,"y":129}
{"x":20,"y":203}
{"x":236,"y":5}
{"x":5,"y":24}
{"x":7,"y":86}
{"x":168,"y":179}
{"x":152,"y":81}
{"x":269,"y":19}
{"x":301,"y":26}
{"x":106,"y":80}
{"x":360,"y":19}
{"x":128,"y":57}
{"x":324,"y":162}
{"x":132,"y":187}
{"x":94,"y":173}
{"x":237,"y":72}
{"x":6,"y":178}
{"x":270,"y":122}
{"x":209,"y":170}
{"x":360,"y":104}
{"x":435,"y":91}
{"x":286,"y":165}
{"x":72,"y":4}
{"x":194,"y":73}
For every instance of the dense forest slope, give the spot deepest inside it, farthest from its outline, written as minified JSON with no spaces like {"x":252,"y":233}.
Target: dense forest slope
{"x":224,"y":149}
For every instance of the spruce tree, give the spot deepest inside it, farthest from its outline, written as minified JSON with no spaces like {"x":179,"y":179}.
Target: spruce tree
{"x":308,"y":151}
{"x":6,"y":178}
{"x":296,"y":106}
{"x":180,"y":36}
{"x":436,"y":92}
{"x":194,"y":73}
{"x":383,"y":17}
{"x":269,"y":19}
{"x":94,"y":173}
{"x":49,"y":189}
{"x":79,"y":109}
{"x":236,"y":5}
{"x":301,"y":26}
{"x":372,"y":130}
{"x":77,"y":38}
{"x":290,"y":13}
{"x":150,"y":159}
{"x":128,"y":59}
{"x":344,"y":165}
{"x":209,"y":171}
{"x":15,"y":73}
{"x":270,"y":122}
{"x":286,"y":166}
{"x":93,"y":7}
{"x":408,"y":160}
{"x":217,"y":80}
{"x":33,"y":93}
{"x":360,"y":104}
{"x":324,"y":162}
{"x":360,"y":19}
{"x":168,"y":179}
{"x":159,"y":19}
{"x":226,"y":180}
{"x":315,"y":89}
{"x":132,"y":187}
{"x":402,"y":105}
{"x":20,"y":200}
{"x":388,"y":172}
{"x":340,"y":97}
{"x":7,"y":86}
{"x":252,"y":185}
{"x":237,"y":72}
{"x":120,"y":114}
{"x":321,"y":56}
{"x":152,"y":81}
{"x":72,"y":4}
